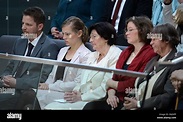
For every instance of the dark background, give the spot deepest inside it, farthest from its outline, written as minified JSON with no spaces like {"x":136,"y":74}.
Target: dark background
{"x":11,"y":14}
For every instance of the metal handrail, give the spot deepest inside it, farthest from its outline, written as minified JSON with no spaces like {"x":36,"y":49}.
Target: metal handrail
{"x":69,"y":64}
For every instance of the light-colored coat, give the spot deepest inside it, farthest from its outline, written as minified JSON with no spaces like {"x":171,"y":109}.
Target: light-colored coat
{"x":93,"y":83}
{"x":71,"y":77}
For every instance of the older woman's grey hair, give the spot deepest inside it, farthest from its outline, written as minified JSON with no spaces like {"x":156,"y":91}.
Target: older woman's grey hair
{"x":168,"y":33}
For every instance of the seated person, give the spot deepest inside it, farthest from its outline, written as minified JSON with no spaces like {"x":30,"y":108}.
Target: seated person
{"x":75,"y":35}
{"x":160,"y":92}
{"x":93,"y":83}
{"x":20,"y":75}
{"x":133,"y":58}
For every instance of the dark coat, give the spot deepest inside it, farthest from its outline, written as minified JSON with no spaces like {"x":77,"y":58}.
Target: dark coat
{"x":89,"y":11}
{"x":131,"y":8}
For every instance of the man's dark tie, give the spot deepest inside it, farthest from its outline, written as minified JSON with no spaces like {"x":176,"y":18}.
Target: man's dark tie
{"x":115,"y":15}
{"x":20,"y":67}
{"x":30,"y":47}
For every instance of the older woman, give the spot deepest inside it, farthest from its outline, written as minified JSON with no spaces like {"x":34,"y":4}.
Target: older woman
{"x":160,"y":92}
{"x":134,"y":58}
{"x":93,"y":83}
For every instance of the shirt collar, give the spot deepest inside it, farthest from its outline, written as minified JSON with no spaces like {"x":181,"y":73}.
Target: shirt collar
{"x":35,"y":41}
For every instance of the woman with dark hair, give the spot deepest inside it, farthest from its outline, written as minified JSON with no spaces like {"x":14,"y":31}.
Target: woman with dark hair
{"x":160,"y":92}
{"x":134,"y":58}
{"x":93,"y":83}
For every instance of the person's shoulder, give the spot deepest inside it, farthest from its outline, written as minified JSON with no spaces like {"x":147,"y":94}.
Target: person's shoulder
{"x":116,"y":48}
{"x":147,"y":47}
{"x":85,"y":49}
{"x":64,"y":49}
{"x":50,"y":42}
{"x":114,"y":52}
{"x":179,"y":54}
{"x":19,"y":39}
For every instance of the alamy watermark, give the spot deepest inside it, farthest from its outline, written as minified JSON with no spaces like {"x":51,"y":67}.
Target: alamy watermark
{"x":7,"y":91}
{"x":14,"y":116}
{"x":154,"y":36}
{"x":130,"y":90}
{"x":29,"y":35}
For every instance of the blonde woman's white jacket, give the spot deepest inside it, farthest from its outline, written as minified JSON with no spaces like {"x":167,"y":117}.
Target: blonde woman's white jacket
{"x":93,"y":83}
{"x":71,"y":75}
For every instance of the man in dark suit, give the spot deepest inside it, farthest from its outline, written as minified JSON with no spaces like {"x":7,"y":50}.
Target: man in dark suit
{"x":128,"y":9}
{"x":23,"y":76}
{"x":89,"y":11}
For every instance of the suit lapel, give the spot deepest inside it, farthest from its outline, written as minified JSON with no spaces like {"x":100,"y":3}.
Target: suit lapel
{"x":60,"y":58}
{"x":75,"y":57}
{"x":152,"y":63}
{"x":169,"y":57}
{"x":38,"y":46}
{"x":35,"y":52}
{"x":77,"y":54}
{"x":21,"y":51}
{"x":103,"y":63}
{"x":88,"y":74}
{"x":23,"y":43}
{"x":149,"y":69}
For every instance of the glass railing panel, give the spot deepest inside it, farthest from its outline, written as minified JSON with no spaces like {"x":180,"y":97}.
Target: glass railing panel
{"x":44,"y":71}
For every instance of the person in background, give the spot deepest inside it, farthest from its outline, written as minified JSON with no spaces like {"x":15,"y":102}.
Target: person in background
{"x":174,"y":18}
{"x":160,"y":92}
{"x":157,"y":11}
{"x":177,"y":81}
{"x":20,"y":75}
{"x":93,"y":83}
{"x":89,"y":11}
{"x":133,"y":58}
{"x":127,"y":9}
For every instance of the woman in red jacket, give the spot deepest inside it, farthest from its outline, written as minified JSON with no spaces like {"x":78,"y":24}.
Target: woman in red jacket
{"x":134,"y":58}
